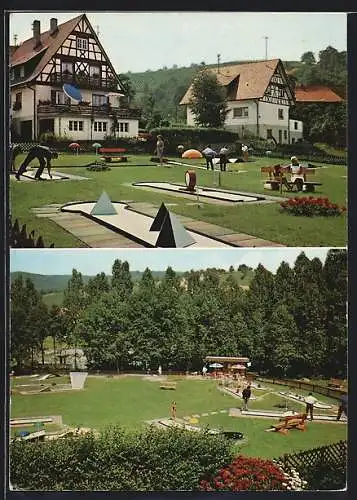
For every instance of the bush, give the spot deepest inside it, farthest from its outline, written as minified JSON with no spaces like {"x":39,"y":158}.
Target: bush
{"x":196,"y":137}
{"x":149,"y":460}
{"x":325,"y":476}
{"x":253,"y":474}
{"x":98,"y":167}
{"x":311,"y":206}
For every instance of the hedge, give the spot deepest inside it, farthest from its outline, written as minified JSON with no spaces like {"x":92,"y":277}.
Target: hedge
{"x":197,"y":138}
{"x":149,"y":460}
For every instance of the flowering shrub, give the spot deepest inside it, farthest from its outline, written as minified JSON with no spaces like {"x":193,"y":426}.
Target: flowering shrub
{"x":310,"y":206}
{"x":253,"y":474}
{"x":292,"y":478}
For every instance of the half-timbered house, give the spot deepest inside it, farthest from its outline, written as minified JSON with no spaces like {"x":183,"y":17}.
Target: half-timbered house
{"x":67,"y":53}
{"x":258,"y":99}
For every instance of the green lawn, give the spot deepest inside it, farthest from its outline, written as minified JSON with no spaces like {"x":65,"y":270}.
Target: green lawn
{"x":264,"y":221}
{"x":130,"y":401}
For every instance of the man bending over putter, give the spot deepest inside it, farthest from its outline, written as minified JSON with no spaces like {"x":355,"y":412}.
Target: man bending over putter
{"x":43,"y":154}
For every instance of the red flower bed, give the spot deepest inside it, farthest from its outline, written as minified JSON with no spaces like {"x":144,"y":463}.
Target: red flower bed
{"x":246,"y":473}
{"x":310,"y":206}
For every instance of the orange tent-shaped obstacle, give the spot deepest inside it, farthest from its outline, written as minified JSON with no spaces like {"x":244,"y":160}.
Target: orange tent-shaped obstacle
{"x":191,"y":153}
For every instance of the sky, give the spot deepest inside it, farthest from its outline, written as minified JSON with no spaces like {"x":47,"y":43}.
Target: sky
{"x":90,"y":262}
{"x":138,"y":41}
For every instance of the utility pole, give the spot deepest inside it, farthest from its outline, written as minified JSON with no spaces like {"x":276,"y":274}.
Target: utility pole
{"x":15,"y":40}
{"x":266,"y":47}
{"x":218,"y":60}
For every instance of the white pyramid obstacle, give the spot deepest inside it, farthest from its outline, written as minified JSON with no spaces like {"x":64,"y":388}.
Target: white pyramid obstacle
{"x":78,"y":379}
{"x":103,"y":206}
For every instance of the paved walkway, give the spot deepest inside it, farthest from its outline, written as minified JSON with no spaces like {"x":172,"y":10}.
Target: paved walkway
{"x":94,"y":235}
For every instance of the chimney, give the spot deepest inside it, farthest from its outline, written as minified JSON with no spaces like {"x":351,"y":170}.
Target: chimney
{"x":36,"y":27}
{"x":53,"y":25}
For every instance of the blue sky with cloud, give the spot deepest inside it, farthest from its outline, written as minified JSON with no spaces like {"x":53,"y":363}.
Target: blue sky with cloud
{"x":93,"y":261}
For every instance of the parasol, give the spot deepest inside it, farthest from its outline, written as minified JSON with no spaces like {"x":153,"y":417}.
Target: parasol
{"x":191,"y":153}
{"x":216,"y":365}
{"x":75,"y":146}
{"x":96,"y":146}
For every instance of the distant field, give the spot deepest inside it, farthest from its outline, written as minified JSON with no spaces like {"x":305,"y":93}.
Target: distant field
{"x":54,"y":298}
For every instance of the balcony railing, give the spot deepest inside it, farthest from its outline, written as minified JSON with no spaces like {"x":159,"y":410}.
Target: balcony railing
{"x":86,"y":110}
{"x":88,"y":82}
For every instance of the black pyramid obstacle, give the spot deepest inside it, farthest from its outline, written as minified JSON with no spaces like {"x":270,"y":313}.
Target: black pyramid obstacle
{"x":159,"y":219}
{"x":173,"y":234}
{"x":103,"y":206}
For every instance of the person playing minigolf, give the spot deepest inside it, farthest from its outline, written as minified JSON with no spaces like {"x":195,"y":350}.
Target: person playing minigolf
{"x":173,"y":410}
{"x":44,"y":155}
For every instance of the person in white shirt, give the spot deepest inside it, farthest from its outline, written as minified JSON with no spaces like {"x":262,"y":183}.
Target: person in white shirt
{"x":296,"y":172}
{"x":245,"y":152}
{"x":310,"y":400}
{"x":209,"y":154}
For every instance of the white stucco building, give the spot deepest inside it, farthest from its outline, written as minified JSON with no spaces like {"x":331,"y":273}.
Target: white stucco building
{"x":67,"y":53}
{"x":259,"y":97}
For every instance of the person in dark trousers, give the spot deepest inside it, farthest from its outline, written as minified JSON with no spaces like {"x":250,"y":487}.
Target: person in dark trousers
{"x":209,"y":154}
{"x":310,"y":401}
{"x":246,"y":393}
{"x":223,"y":158}
{"x":343,"y":407}
{"x":15,"y":150}
{"x":44,"y":155}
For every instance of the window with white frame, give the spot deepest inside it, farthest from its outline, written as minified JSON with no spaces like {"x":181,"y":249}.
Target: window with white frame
{"x":280,"y":114}
{"x":82,"y":43}
{"x":123,"y":126}
{"x":94,"y":70}
{"x":22,"y":71}
{"x":295,"y":125}
{"x":75,"y":125}
{"x":12,"y":75}
{"x":241,"y":112}
{"x":285,"y":134}
{"x":99,"y":100}
{"x":100,"y":126}
{"x":59,"y":97}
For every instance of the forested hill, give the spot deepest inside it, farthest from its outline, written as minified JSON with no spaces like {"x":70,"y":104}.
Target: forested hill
{"x":164,"y":88}
{"x":50,"y":283}
{"x":53,"y":283}
{"x":168,"y":85}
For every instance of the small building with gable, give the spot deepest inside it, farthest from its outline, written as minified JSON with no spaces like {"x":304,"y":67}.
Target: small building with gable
{"x":259,"y":97}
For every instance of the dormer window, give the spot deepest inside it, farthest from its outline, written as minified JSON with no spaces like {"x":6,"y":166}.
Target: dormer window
{"x":82,"y":43}
{"x":12,"y":75}
{"x":22,"y":71}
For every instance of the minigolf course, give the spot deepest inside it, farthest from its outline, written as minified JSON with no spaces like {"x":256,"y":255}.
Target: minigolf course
{"x":163,"y":230}
{"x":208,"y":194}
{"x":56,"y":176}
{"x":103,"y":206}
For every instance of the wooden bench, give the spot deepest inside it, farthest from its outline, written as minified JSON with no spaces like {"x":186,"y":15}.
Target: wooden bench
{"x":335,"y":383}
{"x":112,"y":155}
{"x":297,"y":421}
{"x":171,"y":386}
{"x":275,"y":181}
